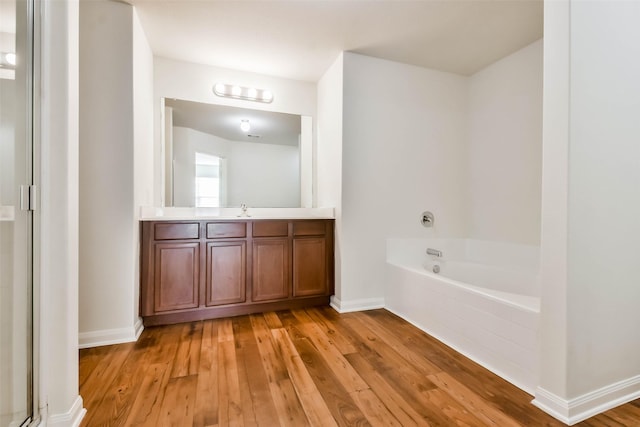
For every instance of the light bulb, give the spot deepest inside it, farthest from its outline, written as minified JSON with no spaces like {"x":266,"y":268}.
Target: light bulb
{"x":220,"y":89}
{"x":252,"y":93}
{"x":267,"y":95}
{"x":10,"y":58}
{"x":245,"y":126}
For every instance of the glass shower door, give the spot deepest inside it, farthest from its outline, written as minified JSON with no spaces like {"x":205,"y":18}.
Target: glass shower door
{"x":16,"y":172}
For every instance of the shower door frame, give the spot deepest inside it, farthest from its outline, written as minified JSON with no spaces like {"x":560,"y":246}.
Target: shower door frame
{"x":26,"y":187}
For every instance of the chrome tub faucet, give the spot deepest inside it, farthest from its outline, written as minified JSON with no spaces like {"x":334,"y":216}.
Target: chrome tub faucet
{"x":434,"y":252}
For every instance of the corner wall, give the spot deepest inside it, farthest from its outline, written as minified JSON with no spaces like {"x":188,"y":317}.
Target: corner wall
{"x":590,"y":292}
{"x":114,"y":133}
{"x":143,"y":168}
{"x":604,"y":199}
{"x":328,"y":156}
{"x":505,"y":148}
{"x":57,"y":300}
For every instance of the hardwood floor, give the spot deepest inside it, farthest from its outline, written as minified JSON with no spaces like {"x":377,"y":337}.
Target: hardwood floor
{"x":298,"y":368}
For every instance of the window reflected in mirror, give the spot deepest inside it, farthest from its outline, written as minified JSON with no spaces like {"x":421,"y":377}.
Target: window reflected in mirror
{"x":210,"y":181}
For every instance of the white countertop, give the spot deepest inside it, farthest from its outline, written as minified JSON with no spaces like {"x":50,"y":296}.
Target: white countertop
{"x":151,"y":213}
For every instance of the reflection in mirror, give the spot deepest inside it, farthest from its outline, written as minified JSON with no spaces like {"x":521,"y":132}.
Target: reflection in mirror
{"x":221,"y":156}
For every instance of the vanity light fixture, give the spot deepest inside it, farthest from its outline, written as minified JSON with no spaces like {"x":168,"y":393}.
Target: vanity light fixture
{"x":245,"y":126}
{"x":241,"y":92}
{"x":8,"y":59}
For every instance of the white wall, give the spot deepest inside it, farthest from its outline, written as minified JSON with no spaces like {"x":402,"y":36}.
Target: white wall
{"x":505,"y":148}
{"x":58,"y":218}
{"x":604,"y":199}
{"x":408,"y":139}
{"x":404,"y":141}
{"x":553,"y":244}
{"x":593,"y":65}
{"x":114,"y":132}
{"x":143,"y":167}
{"x":194,"y":82}
{"x":328,"y":154}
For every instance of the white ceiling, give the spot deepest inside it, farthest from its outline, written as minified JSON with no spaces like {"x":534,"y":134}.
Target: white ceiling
{"x":300,"y":39}
{"x":266,"y":127}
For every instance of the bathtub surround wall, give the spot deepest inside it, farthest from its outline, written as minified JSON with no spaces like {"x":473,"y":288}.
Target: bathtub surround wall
{"x":115,"y":179}
{"x":504,"y":153}
{"x":590,"y":354}
{"x":194,"y":82}
{"x":403,"y":132}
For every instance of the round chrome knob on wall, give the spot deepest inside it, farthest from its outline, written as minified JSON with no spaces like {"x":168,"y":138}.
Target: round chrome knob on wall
{"x":427,"y":219}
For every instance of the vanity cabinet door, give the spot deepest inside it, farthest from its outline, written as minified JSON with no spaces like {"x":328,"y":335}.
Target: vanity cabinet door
{"x":226,"y":272}
{"x":310,"y":267}
{"x":176,"y":276}
{"x":270,"y":269}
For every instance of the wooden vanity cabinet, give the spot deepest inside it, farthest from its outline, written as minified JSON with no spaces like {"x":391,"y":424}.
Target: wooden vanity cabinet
{"x":193,"y":270}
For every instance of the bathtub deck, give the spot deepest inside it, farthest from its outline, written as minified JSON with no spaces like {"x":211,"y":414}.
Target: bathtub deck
{"x":302,"y":367}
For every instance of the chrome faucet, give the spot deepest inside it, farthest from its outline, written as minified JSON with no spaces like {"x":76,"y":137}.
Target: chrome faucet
{"x":243,"y":210}
{"x":434,"y":252}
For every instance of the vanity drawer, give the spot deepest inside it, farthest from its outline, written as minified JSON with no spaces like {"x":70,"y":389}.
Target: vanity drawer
{"x":270,"y":229}
{"x":309,"y":228}
{"x":176,"y":231}
{"x":222,"y":230}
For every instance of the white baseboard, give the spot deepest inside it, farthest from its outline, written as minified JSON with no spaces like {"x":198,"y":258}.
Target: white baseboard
{"x":356,"y":305}
{"x":71,"y":418}
{"x":110,"y":336}
{"x":578,"y":409}
{"x":138,"y":328}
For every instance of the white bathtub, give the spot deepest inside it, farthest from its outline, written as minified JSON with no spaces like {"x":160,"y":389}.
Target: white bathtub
{"x":484,"y":303}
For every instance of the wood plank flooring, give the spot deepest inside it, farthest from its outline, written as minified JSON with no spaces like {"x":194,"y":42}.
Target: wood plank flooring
{"x":310,"y":367}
